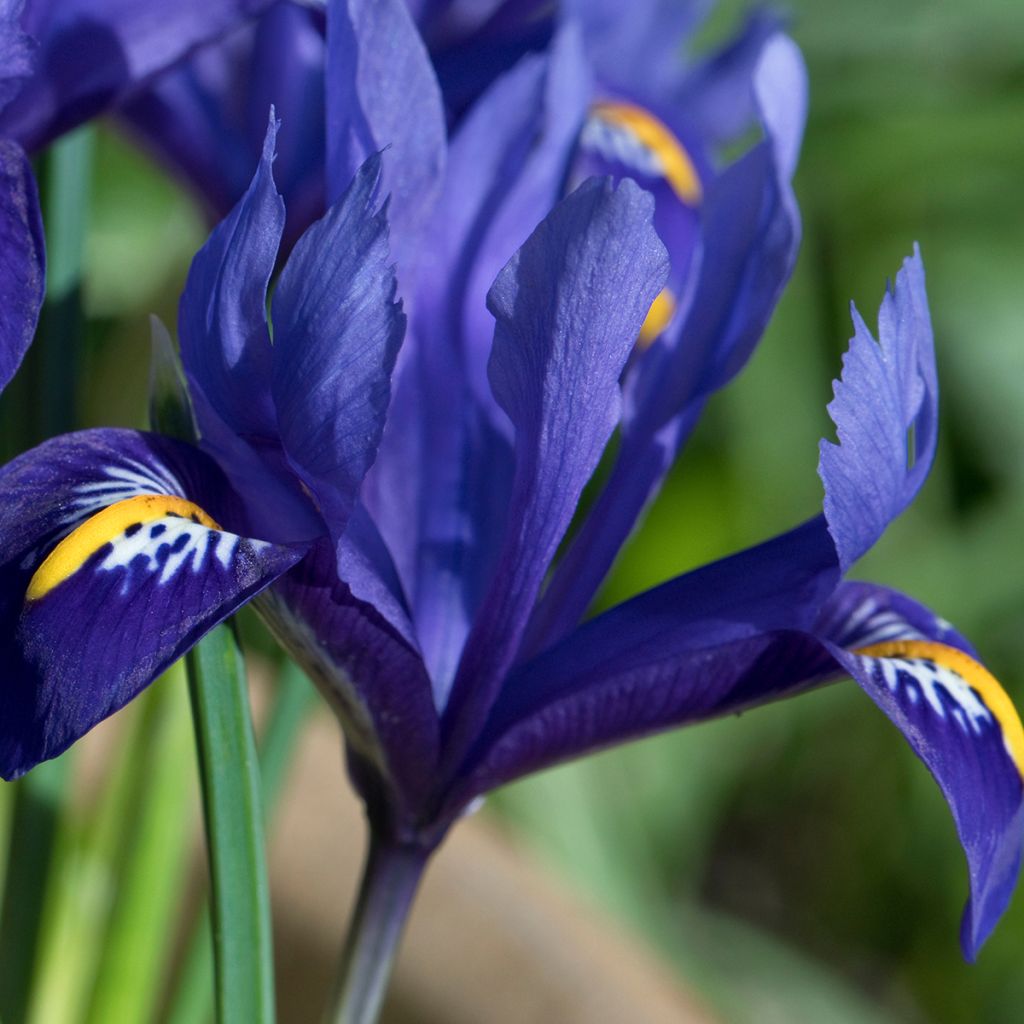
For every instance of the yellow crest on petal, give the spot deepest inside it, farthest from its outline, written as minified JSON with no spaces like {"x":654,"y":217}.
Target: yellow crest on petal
{"x":123,"y":517}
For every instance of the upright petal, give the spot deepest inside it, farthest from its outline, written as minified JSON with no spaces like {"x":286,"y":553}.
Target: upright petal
{"x":92,"y":52}
{"x":382,"y":95}
{"x":886,"y":416}
{"x":447,"y":446}
{"x":111,"y":567}
{"x":225,"y":340}
{"x":337,"y":330}
{"x":568,"y":307}
{"x":22,"y":258}
{"x":750,"y":235}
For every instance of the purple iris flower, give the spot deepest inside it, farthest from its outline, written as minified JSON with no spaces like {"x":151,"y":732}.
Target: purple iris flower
{"x":62,"y":62}
{"x":392,"y":485}
{"x":205,"y":118}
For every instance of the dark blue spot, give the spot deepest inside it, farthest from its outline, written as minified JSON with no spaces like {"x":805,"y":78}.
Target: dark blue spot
{"x":157,"y":529}
{"x":180,"y":542}
{"x":132,"y":529}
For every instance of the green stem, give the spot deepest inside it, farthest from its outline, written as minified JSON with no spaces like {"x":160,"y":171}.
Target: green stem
{"x":294,"y":699}
{"x":390,"y":879}
{"x":242,"y":941}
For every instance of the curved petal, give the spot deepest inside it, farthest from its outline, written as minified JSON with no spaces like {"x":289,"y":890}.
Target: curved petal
{"x":749,"y":630}
{"x":337,"y":330}
{"x":222,"y":317}
{"x":382,"y":95}
{"x":887,"y":390}
{"x":92,"y":52}
{"x":957,"y":719}
{"x":700,"y":645}
{"x":22,"y":259}
{"x":111,"y":567}
{"x":568,"y":307}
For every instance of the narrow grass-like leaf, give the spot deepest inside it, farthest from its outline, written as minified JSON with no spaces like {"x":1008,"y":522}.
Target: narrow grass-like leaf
{"x":242,"y":942}
{"x":152,"y":876}
{"x":293,"y":700}
{"x":39,"y":805}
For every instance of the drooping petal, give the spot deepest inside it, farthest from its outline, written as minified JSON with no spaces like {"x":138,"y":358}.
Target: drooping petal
{"x":568,"y":308}
{"x":887,"y":392}
{"x":373,"y":678}
{"x":751,"y":232}
{"x":960,"y":723}
{"x":111,"y":567}
{"x":22,"y":258}
{"x":92,"y":52}
{"x":382,"y":95}
{"x":756,"y":627}
{"x":337,"y":330}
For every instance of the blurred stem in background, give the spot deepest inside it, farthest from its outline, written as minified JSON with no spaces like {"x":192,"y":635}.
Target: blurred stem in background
{"x":45,"y":409}
{"x":60,"y":339}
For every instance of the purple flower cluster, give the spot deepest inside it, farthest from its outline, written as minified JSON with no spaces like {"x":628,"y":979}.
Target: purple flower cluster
{"x":500,"y":234}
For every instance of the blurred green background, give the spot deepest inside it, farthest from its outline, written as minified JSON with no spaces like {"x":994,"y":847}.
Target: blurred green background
{"x":797,"y":864}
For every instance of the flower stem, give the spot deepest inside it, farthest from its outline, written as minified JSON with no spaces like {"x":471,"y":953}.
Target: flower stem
{"x":390,"y":879}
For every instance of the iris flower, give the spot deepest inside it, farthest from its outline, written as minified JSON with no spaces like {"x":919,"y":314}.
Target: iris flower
{"x":61,"y":63}
{"x":392,"y":486}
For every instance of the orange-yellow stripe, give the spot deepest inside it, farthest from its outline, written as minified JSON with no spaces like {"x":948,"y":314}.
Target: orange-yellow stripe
{"x":658,"y":317}
{"x":656,"y":136}
{"x":977,"y":677}
{"x":78,"y":546}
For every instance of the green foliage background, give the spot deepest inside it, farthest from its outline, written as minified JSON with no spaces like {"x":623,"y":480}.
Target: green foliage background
{"x":798,"y":864}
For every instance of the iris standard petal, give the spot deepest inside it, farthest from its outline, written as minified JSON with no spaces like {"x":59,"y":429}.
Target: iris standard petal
{"x":447,"y":448}
{"x":337,"y":331}
{"x":886,"y":415}
{"x":957,"y":719}
{"x":750,"y":236}
{"x":22,"y":258}
{"x":568,"y":307}
{"x":382,"y":95}
{"x":92,"y":52}
{"x":111,"y":567}
{"x":222,"y":317}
